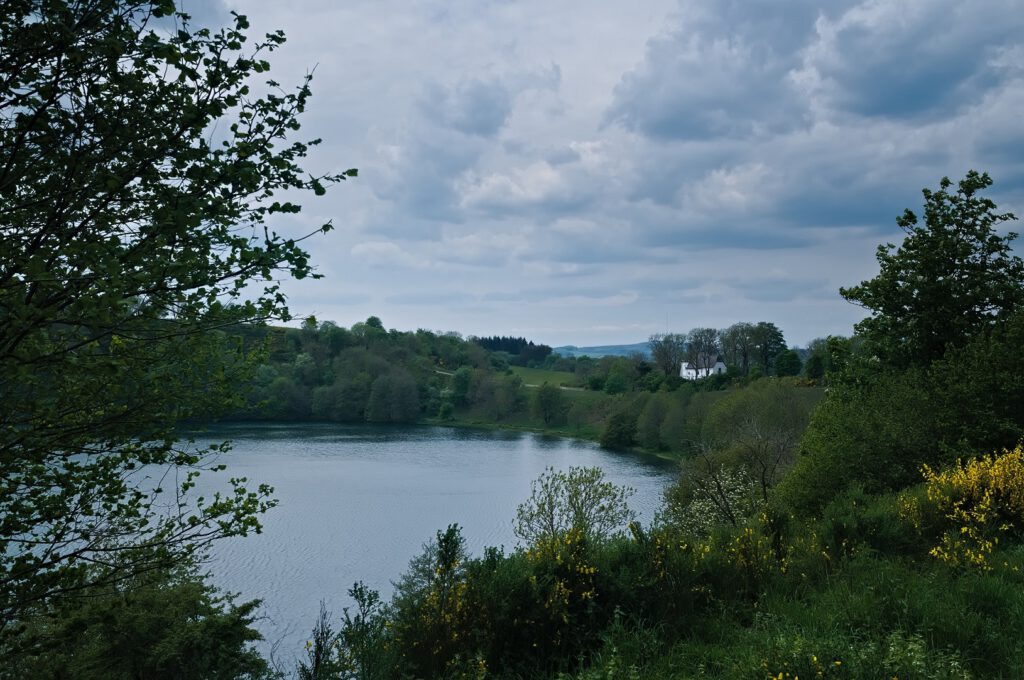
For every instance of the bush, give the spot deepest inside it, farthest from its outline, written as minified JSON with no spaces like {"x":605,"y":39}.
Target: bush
{"x":579,"y":501}
{"x":856,"y":522}
{"x":620,"y":431}
{"x":982,"y":501}
{"x":430,"y":605}
{"x":651,"y":418}
{"x":708,"y":495}
{"x":874,"y":434}
{"x":547,"y":404}
{"x":161,"y":624}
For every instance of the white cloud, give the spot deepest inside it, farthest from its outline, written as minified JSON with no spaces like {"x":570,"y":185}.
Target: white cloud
{"x":738,"y":190}
{"x":534,"y":184}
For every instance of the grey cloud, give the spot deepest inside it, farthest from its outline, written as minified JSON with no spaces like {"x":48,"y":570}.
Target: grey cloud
{"x":699,"y":298}
{"x":691,"y":89}
{"x":562,"y":156}
{"x":670,"y":228}
{"x":422,"y":166}
{"x":778,"y":289}
{"x":584,"y":295}
{"x":779,"y":27}
{"x":858,"y":175}
{"x":588,"y":251}
{"x":431,"y":298}
{"x":539,"y":190}
{"x":913,"y":60}
{"x":1009,"y":151}
{"x":601,"y":291}
{"x":418,"y":176}
{"x":742,"y":70}
{"x":503,"y":296}
{"x":349,"y":299}
{"x":574,"y":271}
{"x":720,"y":71}
{"x":746,"y":235}
{"x":826,"y":203}
{"x":481,"y":106}
{"x":663,"y":168}
{"x":473,"y":107}
{"x":1000,"y":136}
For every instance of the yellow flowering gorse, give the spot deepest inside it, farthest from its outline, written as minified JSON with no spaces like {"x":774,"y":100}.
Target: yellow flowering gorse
{"x":983,"y":498}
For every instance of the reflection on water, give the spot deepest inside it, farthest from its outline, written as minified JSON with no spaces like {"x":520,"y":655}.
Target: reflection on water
{"x":358,"y":502}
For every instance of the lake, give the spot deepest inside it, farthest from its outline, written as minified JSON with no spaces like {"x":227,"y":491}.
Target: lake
{"x":357,"y":502}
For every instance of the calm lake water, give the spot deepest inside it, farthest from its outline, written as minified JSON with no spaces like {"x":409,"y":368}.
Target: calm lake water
{"x":356,"y":503}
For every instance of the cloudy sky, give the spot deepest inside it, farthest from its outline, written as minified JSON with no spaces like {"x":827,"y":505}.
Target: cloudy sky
{"x":590,"y":172}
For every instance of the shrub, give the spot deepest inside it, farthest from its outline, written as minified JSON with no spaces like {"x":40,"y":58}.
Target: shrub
{"x":579,"y":500}
{"x":982,"y":500}
{"x":620,"y":431}
{"x":161,"y":624}
{"x":547,"y":404}
{"x":430,"y":605}
{"x":874,"y":434}
{"x":856,"y":521}
{"x":708,"y":495}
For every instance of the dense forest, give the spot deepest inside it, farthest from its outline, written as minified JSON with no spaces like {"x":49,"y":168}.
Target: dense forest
{"x":854,"y":509}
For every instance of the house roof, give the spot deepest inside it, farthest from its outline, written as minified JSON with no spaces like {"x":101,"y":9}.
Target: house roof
{"x":705,"y":360}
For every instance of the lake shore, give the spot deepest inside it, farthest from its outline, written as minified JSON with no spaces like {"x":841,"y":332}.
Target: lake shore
{"x":662,"y":456}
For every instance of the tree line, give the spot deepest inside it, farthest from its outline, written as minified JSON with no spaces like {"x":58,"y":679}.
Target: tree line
{"x":366,"y":373}
{"x":743,"y":346}
{"x":520,"y":351}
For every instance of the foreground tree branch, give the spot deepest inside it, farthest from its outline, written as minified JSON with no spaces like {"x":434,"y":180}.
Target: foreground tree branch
{"x":137,"y":217}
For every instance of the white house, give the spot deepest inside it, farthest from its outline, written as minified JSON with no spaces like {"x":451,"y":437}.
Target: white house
{"x":706,"y":365}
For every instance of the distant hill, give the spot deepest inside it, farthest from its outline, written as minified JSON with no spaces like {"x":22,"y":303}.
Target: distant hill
{"x":604,"y":350}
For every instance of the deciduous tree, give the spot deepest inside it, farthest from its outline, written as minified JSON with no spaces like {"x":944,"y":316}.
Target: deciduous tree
{"x":761,"y":426}
{"x":702,"y":349}
{"x":768,"y":341}
{"x":668,"y":351}
{"x":547,"y":403}
{"x":738,"y":345}
{"x":139,"y":176}
{"x":953,"y":277}
{"x":619,"y":431}
{"x":579,"y":499}
{"x":787,"y":363}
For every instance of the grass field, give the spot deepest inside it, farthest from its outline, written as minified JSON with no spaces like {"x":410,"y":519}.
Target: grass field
{"x":538,"y":376}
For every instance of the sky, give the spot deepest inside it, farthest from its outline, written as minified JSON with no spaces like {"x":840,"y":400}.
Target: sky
{"x":588,"y":172}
